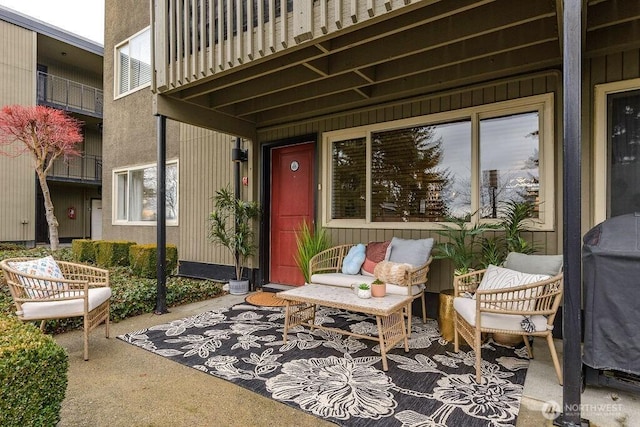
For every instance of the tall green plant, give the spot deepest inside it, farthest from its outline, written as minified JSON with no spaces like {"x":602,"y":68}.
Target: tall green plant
{"x":515,"y":216}
{"x":309,"y":242}
{"x":231,"y":226}
{"x":462,"y":246}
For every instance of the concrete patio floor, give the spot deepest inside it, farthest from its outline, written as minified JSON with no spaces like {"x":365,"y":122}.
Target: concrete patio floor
{"x":122,"y":385}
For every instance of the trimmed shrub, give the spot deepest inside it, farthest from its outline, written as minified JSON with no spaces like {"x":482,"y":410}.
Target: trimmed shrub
{"x":33,"y":375}
{"x":110,"y":253}
{"x":83,"y":250}
{"x":143,"y":258}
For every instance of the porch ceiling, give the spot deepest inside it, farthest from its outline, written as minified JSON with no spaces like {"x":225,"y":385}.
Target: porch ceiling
{"x":437,"y":46}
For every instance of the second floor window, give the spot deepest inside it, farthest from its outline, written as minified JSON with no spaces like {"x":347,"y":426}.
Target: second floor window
{"x":133,"y":63}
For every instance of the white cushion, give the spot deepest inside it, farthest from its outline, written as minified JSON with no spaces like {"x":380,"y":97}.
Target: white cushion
{"x":346,"y":280}
{"x":466,"y":307}
{"x":66,"y":308}
{"x":43,"y":267}
{"x":503,"y":278}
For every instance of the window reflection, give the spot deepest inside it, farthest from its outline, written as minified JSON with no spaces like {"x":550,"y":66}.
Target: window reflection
{"x":509,"y":162}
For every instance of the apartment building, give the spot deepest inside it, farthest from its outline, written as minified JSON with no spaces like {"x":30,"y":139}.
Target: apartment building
{"x":44,"y":65}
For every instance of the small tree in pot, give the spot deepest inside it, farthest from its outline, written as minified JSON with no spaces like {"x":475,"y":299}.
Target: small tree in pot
{"x":231,"y":226}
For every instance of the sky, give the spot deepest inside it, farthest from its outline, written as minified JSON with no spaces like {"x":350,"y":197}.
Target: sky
{"x":82,"y":17}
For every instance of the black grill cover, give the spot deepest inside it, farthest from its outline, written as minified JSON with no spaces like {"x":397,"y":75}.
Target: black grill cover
{"x":611,"y":279}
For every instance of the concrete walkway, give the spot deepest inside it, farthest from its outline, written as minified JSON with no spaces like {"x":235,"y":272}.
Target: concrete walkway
{"x":122,"y":385}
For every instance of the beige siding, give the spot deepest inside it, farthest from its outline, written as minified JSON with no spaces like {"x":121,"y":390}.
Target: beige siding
{"x":205,"y":167}
{"x":17,"y":86}
{"x":441,"y":272}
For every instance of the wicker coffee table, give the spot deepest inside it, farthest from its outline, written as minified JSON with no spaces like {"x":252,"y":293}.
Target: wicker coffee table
{"x":301,"y":306}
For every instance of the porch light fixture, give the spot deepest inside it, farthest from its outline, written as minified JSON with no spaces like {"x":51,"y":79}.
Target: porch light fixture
{"x":239,"y":155}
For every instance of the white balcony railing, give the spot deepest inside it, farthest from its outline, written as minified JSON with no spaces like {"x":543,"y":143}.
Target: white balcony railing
{"x":195,"y":39}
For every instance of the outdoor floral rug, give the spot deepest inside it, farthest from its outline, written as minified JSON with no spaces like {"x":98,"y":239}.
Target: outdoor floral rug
{"x":340,"y":378}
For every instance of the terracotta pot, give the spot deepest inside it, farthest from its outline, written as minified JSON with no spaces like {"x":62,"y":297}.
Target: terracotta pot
{"x":378,"y":290}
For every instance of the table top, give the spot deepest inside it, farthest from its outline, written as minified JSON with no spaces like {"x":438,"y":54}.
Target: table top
{"x":346,"y":298}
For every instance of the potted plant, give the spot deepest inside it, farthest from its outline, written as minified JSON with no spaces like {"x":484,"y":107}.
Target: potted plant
{"x":461,"y":248}
{"x":231,"y":226}
{"x":309,"y":243}
{"x":364,"y":290}
{"x":378,"y":288}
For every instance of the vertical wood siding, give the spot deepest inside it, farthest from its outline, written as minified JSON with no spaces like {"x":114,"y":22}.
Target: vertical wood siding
{"x":205,"y":167}
{"x":17,"y":86}
{"x":441,"y":271}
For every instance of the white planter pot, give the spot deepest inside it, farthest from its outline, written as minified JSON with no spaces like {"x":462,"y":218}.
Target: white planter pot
{"x":238,"y":287}
{"x":364,"y":293}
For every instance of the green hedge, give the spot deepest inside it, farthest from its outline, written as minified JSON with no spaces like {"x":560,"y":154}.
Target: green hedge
{"x":84,"y":250}
{"x":143,"y":259}
{"x":111,"y":253}
{"x":33,"y":375}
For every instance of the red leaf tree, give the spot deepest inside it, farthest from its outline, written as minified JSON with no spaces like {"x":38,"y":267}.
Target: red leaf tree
{"x":45,"y":133}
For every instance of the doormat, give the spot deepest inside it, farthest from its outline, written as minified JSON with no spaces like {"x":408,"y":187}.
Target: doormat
{"x":265,"y":299}
{"x":340,"y":378}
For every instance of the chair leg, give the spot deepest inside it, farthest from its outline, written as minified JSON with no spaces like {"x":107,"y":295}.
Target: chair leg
{"x":86,"y":338}
{"x":42,"y":325}
{"x":456,"y":345}
{"x":526,"y":343}
{"x":554,"y":357}
{"x":477,"y":344}
{"x":107,"y":321}
{"x":424,"y":309}
{"x":409,"y":319}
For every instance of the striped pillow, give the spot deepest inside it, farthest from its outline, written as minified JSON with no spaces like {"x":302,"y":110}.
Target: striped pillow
{"x":503,"y":278}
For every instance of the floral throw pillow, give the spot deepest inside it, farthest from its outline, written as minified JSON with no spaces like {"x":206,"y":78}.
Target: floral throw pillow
{"x":43,"y":267}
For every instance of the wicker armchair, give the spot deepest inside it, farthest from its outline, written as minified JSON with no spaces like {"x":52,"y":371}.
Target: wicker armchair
{"x":503,"y":310}
{"x":330,"y":261}
{"x":83,"y":292}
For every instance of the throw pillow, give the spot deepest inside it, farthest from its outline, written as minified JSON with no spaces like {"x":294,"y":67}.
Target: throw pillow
{"x":375,"y":252}
{"x":353,"y":261}
{"x":396,"y":273}
{"x":503,"y":278}
{"x":412,"y":251}
{"x":534,"y":264}
{"x":43,"y":267}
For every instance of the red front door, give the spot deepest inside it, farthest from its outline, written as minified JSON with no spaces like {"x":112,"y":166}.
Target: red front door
{"x":292,"y":199}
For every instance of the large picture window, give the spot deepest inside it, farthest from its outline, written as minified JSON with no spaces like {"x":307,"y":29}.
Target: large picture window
{"x":467,"y":164}
{"x":133,"y":63}
{"x":135,"y":195}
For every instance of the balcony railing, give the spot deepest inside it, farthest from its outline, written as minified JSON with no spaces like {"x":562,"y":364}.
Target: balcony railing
{"x":87,"y":169}
{"x":195,"y":39}
{"x":69,"y":95}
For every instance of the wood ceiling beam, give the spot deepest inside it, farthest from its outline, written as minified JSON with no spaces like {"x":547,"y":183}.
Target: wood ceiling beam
{"x":487,"y":46}
{"x":605,"y":15}
{"x":440,"y":33}
{"x":516,"y":62}
{"x":623,"y":36}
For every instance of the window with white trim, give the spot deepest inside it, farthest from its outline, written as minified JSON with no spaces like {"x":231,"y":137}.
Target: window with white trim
{"x":133,"y":63}
{"x":135,"y":196}
{"x":465,"y":163}
{"x":617,"y":149}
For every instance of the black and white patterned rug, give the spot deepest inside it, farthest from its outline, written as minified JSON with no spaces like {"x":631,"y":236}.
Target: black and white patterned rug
{"x":340,"y":378}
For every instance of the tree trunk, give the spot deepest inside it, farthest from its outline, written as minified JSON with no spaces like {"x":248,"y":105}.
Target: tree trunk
{"x":48,"y":209}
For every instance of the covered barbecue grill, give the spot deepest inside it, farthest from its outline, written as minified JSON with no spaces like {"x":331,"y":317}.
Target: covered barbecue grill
{"x":611,"y":279}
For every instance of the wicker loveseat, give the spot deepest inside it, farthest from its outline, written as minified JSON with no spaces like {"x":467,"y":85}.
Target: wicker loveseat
{"x":325,"y":268}
{"x":43,"y":288}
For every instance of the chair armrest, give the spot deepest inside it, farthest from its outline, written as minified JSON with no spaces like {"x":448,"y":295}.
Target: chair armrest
{"x":467,"y":283}
{"x":329,"y":260}
{"x":539,"y":298}
{"x":418,"y":275}
{"x":96,"y":277}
